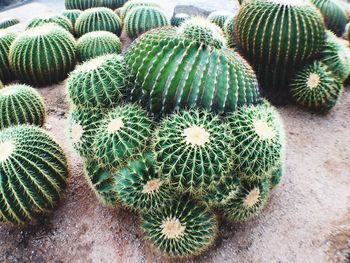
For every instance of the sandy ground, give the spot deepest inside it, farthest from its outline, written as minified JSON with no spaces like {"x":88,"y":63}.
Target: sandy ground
{"x":306,"y":220}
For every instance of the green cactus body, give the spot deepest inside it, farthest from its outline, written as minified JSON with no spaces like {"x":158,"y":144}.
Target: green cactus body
{"x":21,"y":104}
{"x":83,"y":125}
{"x":123,"y":133}
{"x":172,"y":73}
{"x":72,"y":15}
{"x":219,"y":18}
{"x":192,"y":150}
{"x":181,"y":229}
{"x":258,"y":140}
{"x":119,"y":3}
{"x":33,"y":171}
{"x":140,"y":187}
{"x":316,"y":88}
{"x":178,"y":19}
{"x":99,"y":82}
{"x":59,"y":20}
{"x":8,"y":23}
{"x":128,"y":6}
{"x":98,"y":19}
{"x":81,"y":4}
{"x":98,"y":43}
{"x":229,"y":29}
{"x":57,"y":50}
{"x":334,"y":16}
{"x":6,"y":39}
{"x":277,"y":174}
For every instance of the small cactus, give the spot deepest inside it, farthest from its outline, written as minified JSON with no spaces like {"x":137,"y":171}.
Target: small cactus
{"x":59,"y":20}
{"x":119,"y":3}
{"x":128,"y":6}
{"x":277,"y":174}
{"x":219,"y":18}
{"x":98,"y":43}
{"x":8,"y":23}
{"x":33,"y":170}
{"x":21,"y":104}
{"x":178,"y":19}
{"x":81,"y":4}
{"x":6,"y":39}
{"x":229,"y":29}
{"x":72,"y":15}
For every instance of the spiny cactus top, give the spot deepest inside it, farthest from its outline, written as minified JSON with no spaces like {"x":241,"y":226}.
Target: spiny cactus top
{"x":182,"y":228}
{"x":98,"y":19}
{"x":128,"y":6}
{"x":81,"y":4}
{"x":316,"y":88}
{"x":99,"y":82}
{"x":56,"y":19}
{"x":144,"y":18}
{"x":178,"y":19}
{"x":33,"y":171}
{"x":172,"y":72}
{"x":72,"y":15}
{"x":9,"y":22}
{"x":57,"y":50}
{"x":98,"y":43}
{"x":21,"y":104}
{"x":219,"y":18}
{"x":6,"y":39}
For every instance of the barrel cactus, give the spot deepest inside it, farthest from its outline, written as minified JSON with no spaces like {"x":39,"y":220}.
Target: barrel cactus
{"x":128,"y":6}
{"x":144,"y":18}
{"x":316,"y":88}
{"x":81,"y":4}
{"x":21,"y":104}
{"x":229,"y":29}
{"x":98,"y":43}
{"x":6,"y":39}
{"x":59,"y":20}
{"x":178,"y":19}
{"x":57,"y":49}
{"x":119,"y":3}
{"x":33,"y":172}
{"x":8,"y":22}
{"x":72,"y":15}
{"x":98,"y":83}
{"x":98,"y":19}
{"x":219,"y":18}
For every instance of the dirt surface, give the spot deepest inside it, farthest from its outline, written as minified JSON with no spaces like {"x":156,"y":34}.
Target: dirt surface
{"x":306,"y":220}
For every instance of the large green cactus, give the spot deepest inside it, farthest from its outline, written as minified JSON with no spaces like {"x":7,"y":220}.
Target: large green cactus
{"x":99,"y":82}
{"x":57,"y":50}
{"x":172,"y":72}
{"x":72,"y":15}
{"x":98,"y":19}
{"x":219,"y":18}
{"x":8,"y":22}
{"x":33,"y":171}
{"x":178,"y":19}
{"x":55,"y":19}
{"x":6,"y":39}
{"x":128,"y":6}
{"x":81,"y":4}
{"x":21,"y":104}
{"x":98,"y":43}
{"x":144,"y":18}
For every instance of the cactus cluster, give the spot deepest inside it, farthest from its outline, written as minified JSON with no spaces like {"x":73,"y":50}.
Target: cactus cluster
{"x":6,"y":39}
{"x":59,"y":20}
{"x":8,"y":22}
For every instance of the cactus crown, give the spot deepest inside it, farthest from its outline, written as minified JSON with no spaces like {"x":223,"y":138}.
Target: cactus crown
{"x":60,"y":20}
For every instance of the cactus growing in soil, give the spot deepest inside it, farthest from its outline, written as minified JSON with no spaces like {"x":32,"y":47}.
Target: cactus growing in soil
{"x":21,"y":104}
{"x":6,"y":39}
{"x":98,"y":43}
{"x":144,"y":18}
{"x":98,"y":19}
{"x":123,"y":133}
{"x":192,"y":150}
{"x":128,"y":6}
{"x":316,"y":88}
{"x":219,"y":18}
{"x":72,"y":15}
{"x":334,"y":16}
{"x":81,"y":4}
{"x":57,"y":49}
{"x":98,"y":82}
{"x":178,"y":19}
{"x":9,"y":22}
{"x":140,"y":187}
{"x":59,"y":20}
{"x":33,"y":171}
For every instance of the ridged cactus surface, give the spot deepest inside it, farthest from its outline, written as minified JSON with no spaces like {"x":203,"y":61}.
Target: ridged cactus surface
{"x":128,"y":6}
{"x":8,"y":22}
{"x":72,"y":15}
{"x":81,"y":4}
{"x":6,"y":39}
{"x":178,"y":19}
{"x":33,"y":171}
{"x":219,"y":18}
{"x":59,"y":20}
{"x":229,"y":29}
{"x":119,"y":3}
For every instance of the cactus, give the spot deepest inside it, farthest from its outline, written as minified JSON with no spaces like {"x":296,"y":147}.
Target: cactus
{"x":192,"y":150}
{"x":316,"y":88}
{"x":8,"y":22}
{"x":98,"y":19}
{"x":99,"y":82}
{"x":21,"y":104}
{"x":98,"y":43}
{"x":229,"y":29}
{"x":81,"y":4}
{"x":72,"y":15}
{"x":128,"y":6}
{"x":178,"y":19}
{"x":182,"y":228}
{"x":59,"y":20}
{"x":171,"y":72}
{"x":119,"y":3}
{"x":140,"y":187}
{"x":334,"y":16}
{"x":6,"y":39}
{"x":123,"y":133}
{"x":276,"y":174}
{"x":258,"y":140}
{"x":57,"y":49}
{"x":219,"y":18}
{"x":144,"y":18}
{"x":33,"y":171}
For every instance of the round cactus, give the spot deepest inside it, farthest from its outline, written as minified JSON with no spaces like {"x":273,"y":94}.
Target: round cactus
{"x":6,"y":39}
{"x":258,"y":140}
{"x":59,"y":20}
{"x":21,"y":104}
{"x":219,"y":18}
{"x":144,"y":18}
{"x":57,"y":49}
{"x":128,"y":6}
{"x":81,"y":4}
{"x":119,"y":3}
{"x":140,"y":187}
{"x":193,"y":151}
{"x":98,"y":43}
{"x":8,"y":22}
{"x":98,"y":82}
{"x":334,"y":16}
{"x":178,"y":19}
{"x":229,"y":29}
{"x":123,"y":133}
{"x":316,"y":88}
{"x":183,"y":74}
{"x":182,"y":228}
{"x":72,"y":15}
{"x":33,"y":171}
{"x":98,"y":19}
